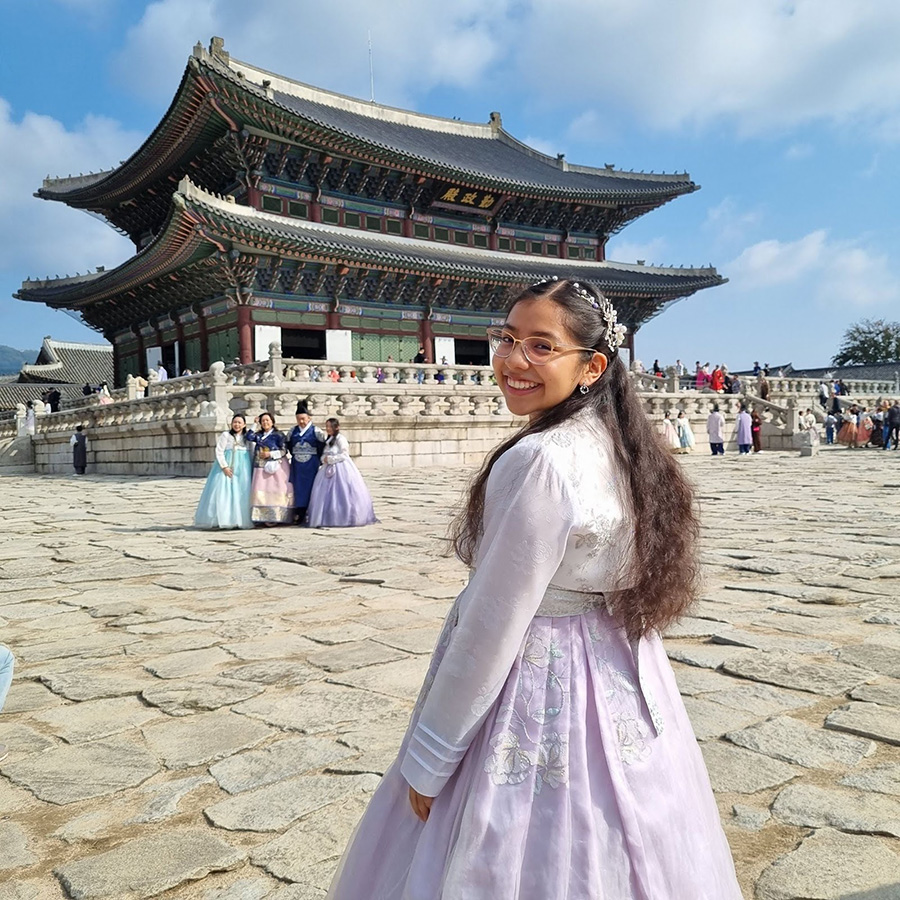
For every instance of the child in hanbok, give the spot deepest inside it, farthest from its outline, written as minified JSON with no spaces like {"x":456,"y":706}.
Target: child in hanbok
{"x":271,"y":494}
{"x":670,"y":434}
{"x":549,"y":754}
{"x":685,"y":432}
{"x":225,"y":501}
{"x":340,"y":497}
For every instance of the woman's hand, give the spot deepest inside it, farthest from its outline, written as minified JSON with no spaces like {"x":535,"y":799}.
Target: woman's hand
{"x":421,"y":804}
{"x":229,"y":472}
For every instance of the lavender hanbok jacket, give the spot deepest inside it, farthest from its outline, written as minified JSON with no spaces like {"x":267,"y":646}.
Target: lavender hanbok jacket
{"x":558,"y":751}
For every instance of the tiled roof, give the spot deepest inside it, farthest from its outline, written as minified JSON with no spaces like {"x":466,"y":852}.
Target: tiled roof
{"x":13,"y":392}
{"x":65,"y":362}
{"x":451,"y":259}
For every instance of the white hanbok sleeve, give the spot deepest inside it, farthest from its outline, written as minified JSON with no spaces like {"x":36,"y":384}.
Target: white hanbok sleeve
{"x":221,"y":447}
{"x":527,"y":519}
{"x":340,"y":451}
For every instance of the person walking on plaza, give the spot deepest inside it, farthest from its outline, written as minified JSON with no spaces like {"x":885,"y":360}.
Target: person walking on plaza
{"x":305,"y":444}
{"x":7,"y":663}
{"x":549,"y":754}
{"x":685,"y":432}
{"x":715,"y":428}
{"x":669,"y":433}
{"x":78,"y":442}
{"x":744,"y":431}
{"x":863,"y":428}
{"x":847,"y":434}
{"x":271,"y":494}
{"x":830,"y":423}
{"x":893,"y":421}
{"x":756,"y":431}
{"x":340,"y":498}
{"x":225,"y":501}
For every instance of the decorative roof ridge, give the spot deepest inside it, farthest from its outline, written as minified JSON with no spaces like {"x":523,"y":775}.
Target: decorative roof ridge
{"x":74,"y":182}
{"x":268,"y":83}
{"x":187,"y":190}
{"x":76,"y":345}
{"x":57,"y":281}
{"x":271,"y":81}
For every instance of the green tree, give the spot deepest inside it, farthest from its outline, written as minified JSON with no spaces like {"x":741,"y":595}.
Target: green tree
{"x":869,"y":341}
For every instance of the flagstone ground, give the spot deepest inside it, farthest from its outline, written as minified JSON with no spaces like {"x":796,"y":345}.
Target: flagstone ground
{"x":204,"y":715}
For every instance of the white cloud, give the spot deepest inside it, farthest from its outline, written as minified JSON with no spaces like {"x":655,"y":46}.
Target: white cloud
{"x":762,"y":66}
{"x":416,"y":46}
{"x":833,"y":273}
{"x":729,"y":223}
{"x":542,"y":145}
{"x":766,"y":65}
{"x":38,"y":237}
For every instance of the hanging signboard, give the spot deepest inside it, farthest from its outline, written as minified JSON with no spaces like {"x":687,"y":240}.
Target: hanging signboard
{"x":457,"y":196}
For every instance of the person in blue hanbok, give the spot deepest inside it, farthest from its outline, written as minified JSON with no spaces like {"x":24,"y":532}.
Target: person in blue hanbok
{"x":305,"y":444}
{"x":340,"y":498}
{"x":225,"y":501}
{"x":271,"y":493}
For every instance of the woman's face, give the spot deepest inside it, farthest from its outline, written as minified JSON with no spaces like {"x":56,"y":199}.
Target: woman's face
{"x":266,"y":422}
{"x":237,"y":424}
{"x":530,"y":390}
{"x":329,"y":428}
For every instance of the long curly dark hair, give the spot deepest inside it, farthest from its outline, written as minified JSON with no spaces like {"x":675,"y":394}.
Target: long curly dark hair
{"x":664,"y":568}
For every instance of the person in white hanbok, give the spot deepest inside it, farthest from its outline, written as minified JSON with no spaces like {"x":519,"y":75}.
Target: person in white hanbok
{"x":549,"y":755}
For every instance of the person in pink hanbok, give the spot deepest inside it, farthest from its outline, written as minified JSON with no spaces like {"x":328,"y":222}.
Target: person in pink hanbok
{"x":549,"y":755}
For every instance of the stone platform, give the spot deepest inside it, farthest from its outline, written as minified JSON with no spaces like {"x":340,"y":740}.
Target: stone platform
{"x":204,"y":715}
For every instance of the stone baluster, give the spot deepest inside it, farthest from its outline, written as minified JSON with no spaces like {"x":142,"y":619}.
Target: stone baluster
{"x":482,"y":405}
{"x":376,"y":404}
{"x":466,"y":377}
{"x":432,"y":405}
{"x":366,"y":374}
{"x":275,"y":367}
{"x":410,"y":375}
{"x":455,"y":405}
{"x":404,"y":405}
{"x":430,"y":374}
{"x":391,"y":374}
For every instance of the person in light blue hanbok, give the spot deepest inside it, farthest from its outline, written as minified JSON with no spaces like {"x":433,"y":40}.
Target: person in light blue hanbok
{"x":225,"y":501}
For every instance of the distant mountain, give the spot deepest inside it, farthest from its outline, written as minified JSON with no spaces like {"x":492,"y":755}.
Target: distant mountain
{"x":11,"y":360}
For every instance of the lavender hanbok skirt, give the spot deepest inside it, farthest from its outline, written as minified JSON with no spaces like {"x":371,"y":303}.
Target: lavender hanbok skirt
{"x":566,"y":792}
{"x":340,"y":498}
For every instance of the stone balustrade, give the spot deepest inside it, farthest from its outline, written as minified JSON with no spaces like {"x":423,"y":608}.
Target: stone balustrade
{"x":393,"y":414}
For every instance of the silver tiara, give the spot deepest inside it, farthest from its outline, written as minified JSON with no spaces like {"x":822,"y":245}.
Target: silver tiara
{"x":615,"y":332}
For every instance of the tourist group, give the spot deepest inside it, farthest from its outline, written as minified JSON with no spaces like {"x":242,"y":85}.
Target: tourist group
{"x":263,"y":477}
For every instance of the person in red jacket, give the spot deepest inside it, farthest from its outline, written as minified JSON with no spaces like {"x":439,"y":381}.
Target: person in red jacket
{"x":717,"y":382}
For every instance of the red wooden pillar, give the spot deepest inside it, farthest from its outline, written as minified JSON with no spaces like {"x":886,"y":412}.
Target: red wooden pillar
{"x":426,"y":339}
{"x":245,"y":334}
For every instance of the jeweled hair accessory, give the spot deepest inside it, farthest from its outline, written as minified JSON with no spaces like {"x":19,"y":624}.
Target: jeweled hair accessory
{"x":615,"y":332}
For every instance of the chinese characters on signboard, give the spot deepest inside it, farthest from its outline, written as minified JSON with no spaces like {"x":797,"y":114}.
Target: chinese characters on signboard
{"x":456,"y":195}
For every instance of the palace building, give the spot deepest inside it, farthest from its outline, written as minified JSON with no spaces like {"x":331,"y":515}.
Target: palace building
{"x":263,"y":209}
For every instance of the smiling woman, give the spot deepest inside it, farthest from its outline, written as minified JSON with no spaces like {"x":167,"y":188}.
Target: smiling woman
{"x":549,"y":754}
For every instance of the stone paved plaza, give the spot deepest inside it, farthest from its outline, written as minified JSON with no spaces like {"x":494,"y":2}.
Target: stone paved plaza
{"x":204,"y":715}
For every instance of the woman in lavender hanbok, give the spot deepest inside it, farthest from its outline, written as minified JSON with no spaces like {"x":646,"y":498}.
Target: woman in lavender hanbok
{"x":339,"y":497}
{"x":744,"y":431}
{"x":549,"y":756}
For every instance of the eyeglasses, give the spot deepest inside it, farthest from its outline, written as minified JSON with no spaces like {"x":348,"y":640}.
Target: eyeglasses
{"x":537,"y":350}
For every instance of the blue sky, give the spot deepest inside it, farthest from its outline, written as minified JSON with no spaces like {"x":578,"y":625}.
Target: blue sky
{"x":786,"y":113}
